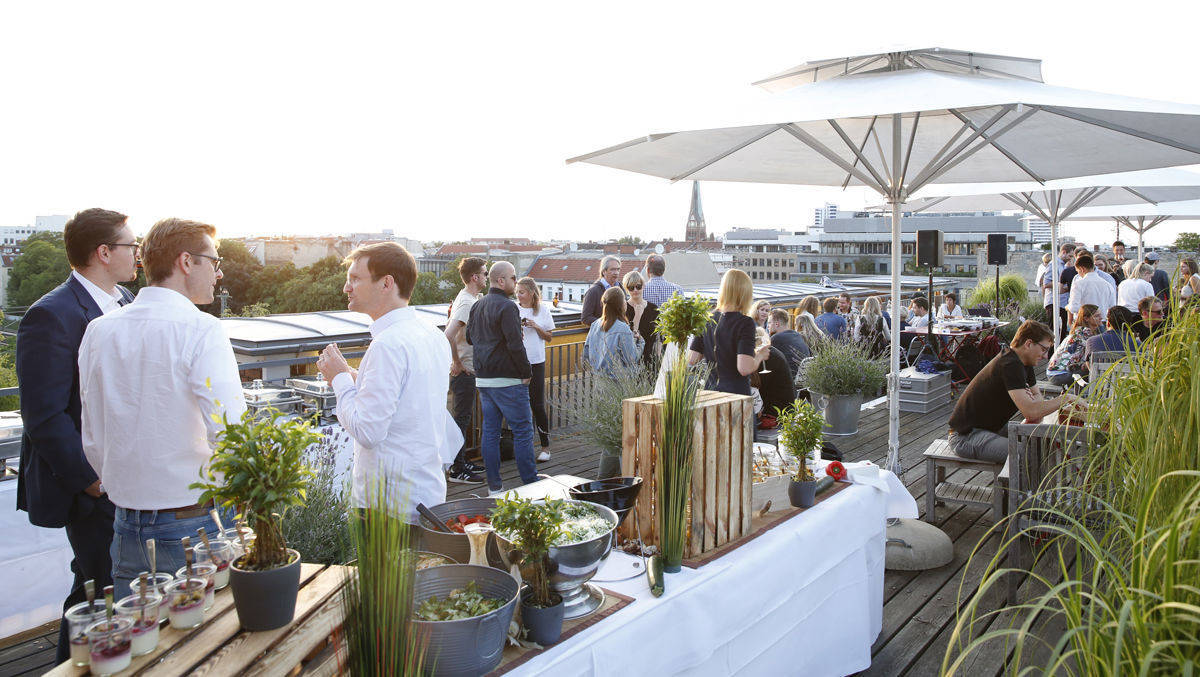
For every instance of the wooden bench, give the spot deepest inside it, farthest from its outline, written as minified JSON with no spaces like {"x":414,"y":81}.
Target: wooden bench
{"x":939,"y":457}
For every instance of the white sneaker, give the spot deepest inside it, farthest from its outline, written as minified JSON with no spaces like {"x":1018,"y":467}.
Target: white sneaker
{"x":544,"y":456}
{"x":496,"y":494}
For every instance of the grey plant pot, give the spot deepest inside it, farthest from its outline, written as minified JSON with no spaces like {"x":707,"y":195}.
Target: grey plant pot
{"x":802,"y":494}
{"x":266,"y":600}
{"x":544,"y":624}
{"x":841,"y":412}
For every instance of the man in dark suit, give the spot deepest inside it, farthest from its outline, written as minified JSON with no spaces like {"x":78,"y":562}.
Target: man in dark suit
{"x":610,"y":275}
{"x":57,"y":486}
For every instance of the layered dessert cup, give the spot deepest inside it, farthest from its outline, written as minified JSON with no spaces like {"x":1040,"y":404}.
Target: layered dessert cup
{"x":218,"y":552}
{"x":231,"y":535}
{"x":156,"y":583}
{"x":110,"y":645}
{"x":79,"y":617}
{"x":207,"y":571}
{"x":185,"y":603}
{"x":144,"y":614}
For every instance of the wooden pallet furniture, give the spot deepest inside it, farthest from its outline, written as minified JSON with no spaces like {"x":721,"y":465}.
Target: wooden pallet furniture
{"x":938,"y":458}
{"x":722,"y":445}
{"x":220,"y":646}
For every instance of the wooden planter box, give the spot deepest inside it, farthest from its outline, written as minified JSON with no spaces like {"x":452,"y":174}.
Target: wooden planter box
{"x":719,"y":506}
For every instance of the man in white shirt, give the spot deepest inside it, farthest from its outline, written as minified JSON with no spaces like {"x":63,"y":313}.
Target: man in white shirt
{"x":394,"y":405}
{"x":157,"y":378}
{"x":1090,"y":288}
{"x":56,"y":485}
{"x":918,"y":313}
{"x":473,"y":271}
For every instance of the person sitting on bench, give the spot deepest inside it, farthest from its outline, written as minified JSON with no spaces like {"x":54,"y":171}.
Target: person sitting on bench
{"x":979,"y":423}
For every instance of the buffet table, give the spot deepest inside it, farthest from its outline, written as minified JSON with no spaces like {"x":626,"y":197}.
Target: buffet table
{"x":804,"y":598}
{"x":36,"y":565}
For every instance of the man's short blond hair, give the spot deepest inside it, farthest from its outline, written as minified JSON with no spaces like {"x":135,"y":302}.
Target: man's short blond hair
{"x":168,"y":239}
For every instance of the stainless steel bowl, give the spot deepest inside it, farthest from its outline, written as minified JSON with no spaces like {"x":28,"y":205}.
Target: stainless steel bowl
{"x":574,"y":565}
{"x":472,"y":646}
{"x":456,"y":546}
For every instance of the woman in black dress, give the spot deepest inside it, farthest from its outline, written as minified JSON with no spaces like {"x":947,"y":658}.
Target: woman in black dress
{"x":642,"y":316}
{"x":733,"y":339}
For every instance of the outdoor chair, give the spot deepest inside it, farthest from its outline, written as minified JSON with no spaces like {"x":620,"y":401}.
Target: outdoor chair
{"x":938,"y":458}
{"x":1046,"y":481}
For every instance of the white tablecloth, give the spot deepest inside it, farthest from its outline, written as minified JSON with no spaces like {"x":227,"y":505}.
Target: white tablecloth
{"x":805,"y":598}
{"x":35,"y":574}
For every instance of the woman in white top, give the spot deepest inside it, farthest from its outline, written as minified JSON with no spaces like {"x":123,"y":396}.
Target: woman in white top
{"x":537,"y":327}
{"x":1189,"y":281}
{"x":949,"y":309}
{"x":1041,"y":275}
{"x":1136,"y":287}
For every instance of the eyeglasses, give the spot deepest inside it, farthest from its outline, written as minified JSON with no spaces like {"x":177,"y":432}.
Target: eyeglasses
{"x":634,"y":287}
{"x":136,"y":246}
{"x":216,"y":260}
{"x":1046,"y":348}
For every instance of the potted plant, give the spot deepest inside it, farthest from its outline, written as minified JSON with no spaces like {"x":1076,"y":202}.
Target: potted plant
{"x":258,"y":466}
{"x":837,"y":375}
{"x":800,"y":434}
{"x":532,"y":527}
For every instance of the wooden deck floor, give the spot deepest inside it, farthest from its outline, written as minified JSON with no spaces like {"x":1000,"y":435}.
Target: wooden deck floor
{"x":919,"y":607}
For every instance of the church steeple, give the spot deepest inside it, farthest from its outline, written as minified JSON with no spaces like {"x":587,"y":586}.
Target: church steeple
{"x":696,"y":230}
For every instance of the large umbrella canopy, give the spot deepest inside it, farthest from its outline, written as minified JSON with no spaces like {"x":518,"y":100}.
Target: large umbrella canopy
{"x":904,"y":126}
{"x":931,"y":58}
{"x":1141,"y":217}
{"x":1058,"y":200}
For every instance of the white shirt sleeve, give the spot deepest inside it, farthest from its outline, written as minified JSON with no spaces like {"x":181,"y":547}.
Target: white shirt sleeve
{"x":365,"y":407}
{"x":544,"y":319}
{"x":1073,"y":300}
{"x":214,"y":381}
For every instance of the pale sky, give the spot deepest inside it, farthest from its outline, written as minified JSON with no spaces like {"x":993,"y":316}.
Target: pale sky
{"x":446,"y":120}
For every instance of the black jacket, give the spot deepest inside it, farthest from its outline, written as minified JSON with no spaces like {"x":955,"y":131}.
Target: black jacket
{"x":494,"y":330}
{"x":591,"y":303}
{"x":54,"y":471}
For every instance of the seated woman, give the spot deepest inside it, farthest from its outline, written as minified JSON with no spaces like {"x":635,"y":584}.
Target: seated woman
{"x":949,"y":310}
{"x":642,"y":316}
{"x":611,"y":347}
{"x":773,"y":379}
{"x":1069,"y":354}
{"x":761,"y":313}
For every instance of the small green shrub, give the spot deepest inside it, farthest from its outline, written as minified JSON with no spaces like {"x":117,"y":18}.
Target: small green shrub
{"x":843,"y":368}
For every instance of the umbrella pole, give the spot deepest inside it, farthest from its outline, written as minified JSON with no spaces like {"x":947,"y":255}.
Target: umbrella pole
{"x":1054,"y":278}
{"x":894,"y":463}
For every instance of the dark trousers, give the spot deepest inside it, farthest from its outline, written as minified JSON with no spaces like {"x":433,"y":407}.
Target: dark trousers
{"x":1063,"y":317}
{"x":462,"y":388}
{"x":537,"y":400}
{"x":90,"y":533}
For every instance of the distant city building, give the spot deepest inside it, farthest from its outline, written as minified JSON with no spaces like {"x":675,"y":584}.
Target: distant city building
{"x":1039,"y":230}
{"x":41,"y":224}
{"x":861,"y":243}
{"x":822,"y":214}
{"x":766,"y":253}
{"x":518,"y":251}
{"x":8,"y":255}
{"x":569,"y":274}
{"x":696,"y":229}
{"x":53,"y":222}
{"x":304,"y":251}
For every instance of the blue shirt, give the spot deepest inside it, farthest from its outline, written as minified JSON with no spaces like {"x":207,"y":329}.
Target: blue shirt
{"x":658,"y":291}
{"x":1110,"y":342}
{"x":832,"y":324}
{"x":1053,"y":278}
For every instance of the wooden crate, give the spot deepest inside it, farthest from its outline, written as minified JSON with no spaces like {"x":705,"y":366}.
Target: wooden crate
{"x":722,"y":446}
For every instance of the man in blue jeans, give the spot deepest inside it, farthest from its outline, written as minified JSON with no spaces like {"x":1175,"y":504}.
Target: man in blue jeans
{"x":502,"y":374}
{"x":156,"y":379}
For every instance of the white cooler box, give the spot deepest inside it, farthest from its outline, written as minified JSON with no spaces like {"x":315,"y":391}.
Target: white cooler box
{"x":922,"y":393}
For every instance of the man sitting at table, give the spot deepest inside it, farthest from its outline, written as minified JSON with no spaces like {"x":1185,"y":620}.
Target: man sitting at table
{"x":979,"y":423}
{"x":830,"y":321}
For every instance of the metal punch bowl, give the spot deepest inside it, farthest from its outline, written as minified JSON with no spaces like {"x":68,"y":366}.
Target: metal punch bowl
{"x":472,"y":646}
{"x":456,"y":546}
{"x":574,"y":565}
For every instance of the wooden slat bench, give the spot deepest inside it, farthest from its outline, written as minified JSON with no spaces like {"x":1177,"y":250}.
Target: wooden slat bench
{"x":939,"y":457}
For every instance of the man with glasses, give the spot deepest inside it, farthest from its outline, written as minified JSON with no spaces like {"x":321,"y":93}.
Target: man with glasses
{"x":157,"y":380}
{"x":610,"y":275}
{"x":979,"y":423}
{"x":56,"y":485}
{"x":1153,"y":317}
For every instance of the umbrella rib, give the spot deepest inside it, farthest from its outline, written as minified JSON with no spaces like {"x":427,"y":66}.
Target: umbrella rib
{"x":959,"y":155}
{"x":882,"y":158}
{"x":1087,"y":119}
{"x":619,"y":146}
{"x":812,"y":142}
{"x":722,"y":156}
{"x":912,"y":138}
{"x":1085,"y":197}
{"x":981,"y":69}
{"x":1003,"y":151}
{"x":1139,"y":195}
{"x":929,"y":202}
{"x":961,"y":152}
{"x":937,"y":157}
{"x":861,"y":146}
{"x":857,"y":151}
{"x":1028,"y":204}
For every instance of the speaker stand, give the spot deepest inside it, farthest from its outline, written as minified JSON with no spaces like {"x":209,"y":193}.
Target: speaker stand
{"x":996,"y":311}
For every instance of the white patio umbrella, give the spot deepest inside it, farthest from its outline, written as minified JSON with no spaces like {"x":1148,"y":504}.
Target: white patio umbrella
{"x":907,"y":119}
{"x":1056,"y":201}
{"x":1142,"y":217}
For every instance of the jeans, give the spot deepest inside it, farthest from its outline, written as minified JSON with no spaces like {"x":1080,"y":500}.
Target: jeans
{"x":512,"y":404}
{"x":462,"y":388}
{"x":131,"y":528}
{"x":537,"y":400}
{"x":981,"y":444}
{"x":90,"y":533}
{"x":1064,"y":319}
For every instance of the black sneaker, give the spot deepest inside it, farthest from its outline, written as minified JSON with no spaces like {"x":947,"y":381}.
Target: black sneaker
{"x":475,"y":467}
{"x":463,"y":476}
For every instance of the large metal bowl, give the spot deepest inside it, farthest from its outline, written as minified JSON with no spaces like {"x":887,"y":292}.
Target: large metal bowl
{"x":618,"y":493}
{"x":574,"y":565}
{"x":472,"y":646}
{"x":457,"y":546}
